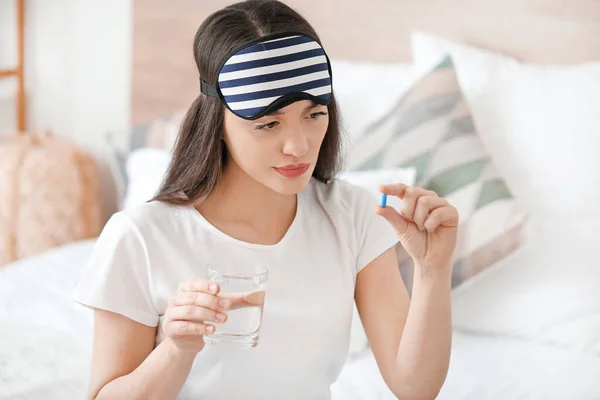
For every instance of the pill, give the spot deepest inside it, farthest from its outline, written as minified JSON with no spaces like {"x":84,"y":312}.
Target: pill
{"x":383,"y":200}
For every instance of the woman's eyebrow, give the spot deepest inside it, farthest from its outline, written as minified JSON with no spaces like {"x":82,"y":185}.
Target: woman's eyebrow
{"x":312,"y":105}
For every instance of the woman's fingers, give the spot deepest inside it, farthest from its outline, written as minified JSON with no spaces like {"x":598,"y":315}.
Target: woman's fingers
{"x":424,"y":206}
{"x":446,"y":216}
{"x":180,"y":329}
{"x":409,"y":196}
{"x":409,"y":201}
{"x":244,"y":299}
{"x":398,"y":222}
{"x":199,"y":299}
{"x":394,"y":189}
{"x":417,"y":206}
{"x":193,"y":309}
{"x":200,"y":292}
{"x":199,"y":285}
{"x":195,"y":313}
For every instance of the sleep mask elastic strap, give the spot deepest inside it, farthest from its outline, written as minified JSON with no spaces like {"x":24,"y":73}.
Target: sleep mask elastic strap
{"x":208,"y":89}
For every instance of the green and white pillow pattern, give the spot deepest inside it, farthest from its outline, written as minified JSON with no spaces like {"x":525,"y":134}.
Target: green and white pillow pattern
{"x":431,"y":129}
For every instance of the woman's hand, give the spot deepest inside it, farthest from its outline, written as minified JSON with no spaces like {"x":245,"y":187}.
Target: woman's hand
{"x":191,"y":312}
{"x":426,"y":225}
{"x":198,"y":304}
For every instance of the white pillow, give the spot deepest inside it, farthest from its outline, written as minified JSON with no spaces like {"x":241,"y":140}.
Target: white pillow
{"x":370,"y":180}
{"x":145,"y":168}
{"x":541,"y":124}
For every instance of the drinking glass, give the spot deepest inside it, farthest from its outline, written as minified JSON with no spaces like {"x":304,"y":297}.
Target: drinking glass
{"x":244,"y":285}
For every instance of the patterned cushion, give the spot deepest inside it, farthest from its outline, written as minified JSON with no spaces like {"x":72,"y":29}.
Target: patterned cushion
{"x":431,"y":129}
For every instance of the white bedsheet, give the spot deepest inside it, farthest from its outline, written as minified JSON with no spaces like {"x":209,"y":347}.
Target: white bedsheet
{"x":45,"y":352}
{"x":485,"y":368}
{"x":44,"y":336}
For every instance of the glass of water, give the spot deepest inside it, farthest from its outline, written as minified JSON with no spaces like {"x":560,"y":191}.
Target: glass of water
{"x":244,"y":286}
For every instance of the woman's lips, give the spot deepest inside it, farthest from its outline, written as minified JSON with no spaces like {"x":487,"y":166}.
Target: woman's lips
{"x":293,"y":170}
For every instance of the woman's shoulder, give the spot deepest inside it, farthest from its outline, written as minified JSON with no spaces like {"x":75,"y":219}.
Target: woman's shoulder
{"x":146,"y":216}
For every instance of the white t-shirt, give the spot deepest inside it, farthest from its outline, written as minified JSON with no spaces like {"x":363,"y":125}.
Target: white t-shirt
{"x":143,"y":254}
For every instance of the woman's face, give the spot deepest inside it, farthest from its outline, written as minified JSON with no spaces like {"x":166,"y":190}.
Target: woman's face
{"x":278,"y":150}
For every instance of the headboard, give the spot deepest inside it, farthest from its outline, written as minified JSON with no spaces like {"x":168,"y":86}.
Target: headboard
{"x":165,"y":79}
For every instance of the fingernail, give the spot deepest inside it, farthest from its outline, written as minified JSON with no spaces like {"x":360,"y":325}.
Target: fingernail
{"x":210,"y":329}
{"x":213,"y":287}
{"x":224,"y":303}
{"x":220,"y":316}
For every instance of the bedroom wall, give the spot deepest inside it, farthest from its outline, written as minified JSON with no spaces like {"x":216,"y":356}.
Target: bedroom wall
{"x":73,"y":48}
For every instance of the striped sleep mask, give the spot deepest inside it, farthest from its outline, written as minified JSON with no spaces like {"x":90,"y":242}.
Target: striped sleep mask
{"x":270,"y":73}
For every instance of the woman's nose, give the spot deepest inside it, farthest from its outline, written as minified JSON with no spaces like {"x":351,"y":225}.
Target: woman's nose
{"x":295,"y":143}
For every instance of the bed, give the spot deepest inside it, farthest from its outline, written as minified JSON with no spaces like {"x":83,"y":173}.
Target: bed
{"x":526,"y":328}
{"x":45,"y":352}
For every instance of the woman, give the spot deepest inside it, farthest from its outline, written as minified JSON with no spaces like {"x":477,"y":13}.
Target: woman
{"x":252,"y":179}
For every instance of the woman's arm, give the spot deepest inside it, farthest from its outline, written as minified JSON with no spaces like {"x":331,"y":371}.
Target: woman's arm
{"x":125,"y":366}
{"x":411,"y":344}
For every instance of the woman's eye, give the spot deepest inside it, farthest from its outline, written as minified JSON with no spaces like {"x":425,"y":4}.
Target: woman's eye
{"x":317,"y":114}
{"x":270,"y":125}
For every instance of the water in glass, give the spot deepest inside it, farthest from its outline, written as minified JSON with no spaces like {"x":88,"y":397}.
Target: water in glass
{"x":245,"y":287}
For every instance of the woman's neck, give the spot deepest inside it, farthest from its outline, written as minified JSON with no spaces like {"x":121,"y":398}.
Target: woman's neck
{"x":247,"y":210}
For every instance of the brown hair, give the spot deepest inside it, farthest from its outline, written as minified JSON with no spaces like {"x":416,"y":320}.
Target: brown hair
{"x":199,"y":154}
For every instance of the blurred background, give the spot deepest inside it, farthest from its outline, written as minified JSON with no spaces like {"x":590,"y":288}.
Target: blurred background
{"x":495,"y":104}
